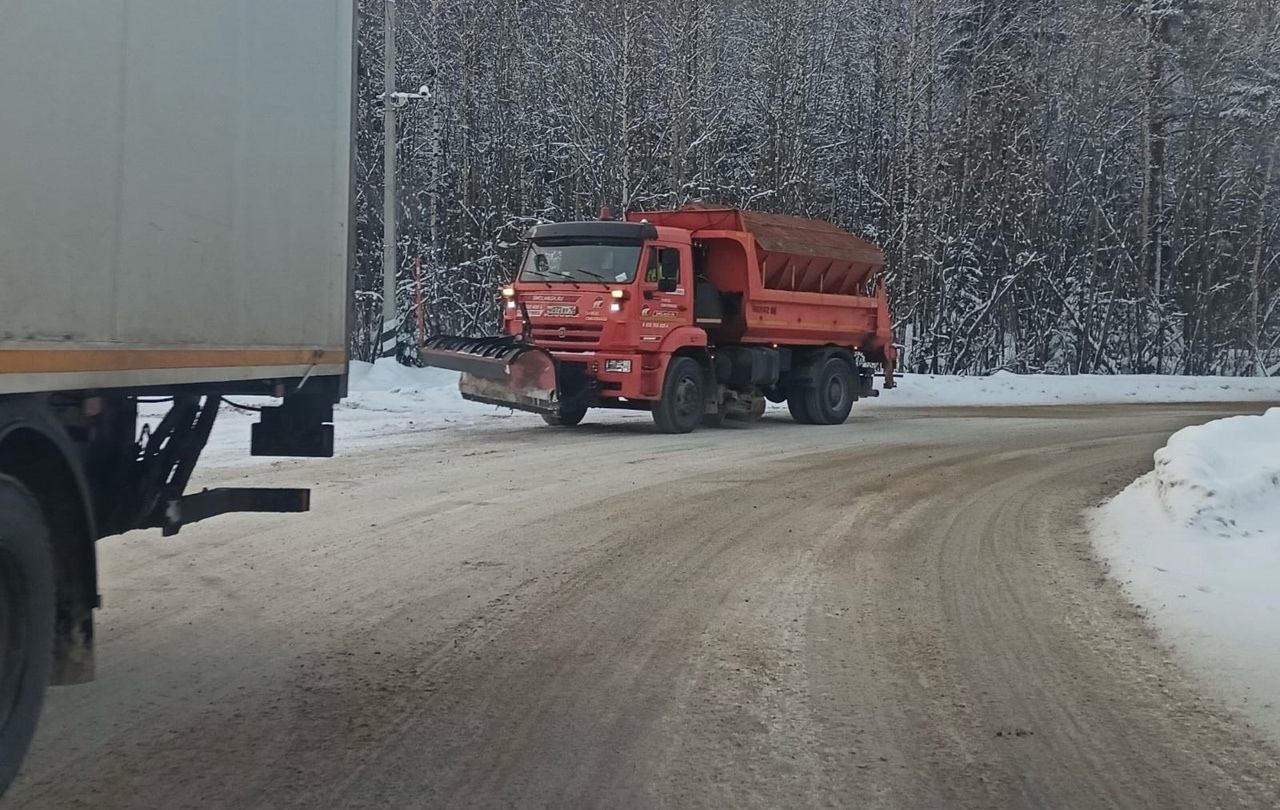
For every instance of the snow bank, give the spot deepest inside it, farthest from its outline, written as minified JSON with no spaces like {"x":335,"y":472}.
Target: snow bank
{"x":1197,"y":543}
{"x":1004,"y":388}
{"x":388,"y":400}
{"x":1223,"y":478}
{"x":424,"y":396}
{"x":385,"y":401}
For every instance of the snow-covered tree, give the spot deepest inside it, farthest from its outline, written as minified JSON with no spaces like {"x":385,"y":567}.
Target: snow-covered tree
{"x":1063,"y":187}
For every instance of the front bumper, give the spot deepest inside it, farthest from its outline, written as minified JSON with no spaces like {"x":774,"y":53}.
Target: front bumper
{"x":588,"y":374}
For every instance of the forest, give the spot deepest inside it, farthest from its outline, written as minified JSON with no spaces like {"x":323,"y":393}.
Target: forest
{"x":1059,"y":187}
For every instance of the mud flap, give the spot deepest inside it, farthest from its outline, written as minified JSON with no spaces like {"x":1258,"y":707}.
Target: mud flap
{"x":503,"y":371}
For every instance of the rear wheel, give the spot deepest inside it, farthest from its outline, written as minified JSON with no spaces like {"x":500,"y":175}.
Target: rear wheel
{"x":681,"y":407}
{"x":797,"y":404}
{"x":567,"y":417}
{"x":831,"y":399}
{"x":26,"y":621}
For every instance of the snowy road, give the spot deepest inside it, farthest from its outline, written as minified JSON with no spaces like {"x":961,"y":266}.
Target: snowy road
{"x":901,"y":612}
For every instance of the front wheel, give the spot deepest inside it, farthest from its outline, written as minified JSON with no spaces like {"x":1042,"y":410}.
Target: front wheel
{"x":681,"y":406}
{"x":26,"y":621}
{"x":566,"y":417}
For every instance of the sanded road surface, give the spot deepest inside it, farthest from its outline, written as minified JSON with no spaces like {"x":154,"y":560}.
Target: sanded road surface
{"x":904,"y":611}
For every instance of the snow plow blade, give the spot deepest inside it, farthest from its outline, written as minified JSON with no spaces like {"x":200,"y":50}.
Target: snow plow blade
{"x":502,"y":370}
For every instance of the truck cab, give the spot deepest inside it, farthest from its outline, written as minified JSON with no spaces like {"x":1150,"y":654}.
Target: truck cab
{"x":611,"y":302}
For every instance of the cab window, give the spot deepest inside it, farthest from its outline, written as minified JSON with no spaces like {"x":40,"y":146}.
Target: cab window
{"x":653,"y":268}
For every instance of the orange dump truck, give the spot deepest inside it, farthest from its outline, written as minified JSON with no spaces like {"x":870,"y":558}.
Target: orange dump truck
{"x":697,"y":315}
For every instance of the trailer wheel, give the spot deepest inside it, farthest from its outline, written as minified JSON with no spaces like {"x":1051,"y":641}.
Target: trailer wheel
{"x":681,"y":406}
{"x":830,"y":401}
{"x":26,"y":621}
{"x":567,"y":417}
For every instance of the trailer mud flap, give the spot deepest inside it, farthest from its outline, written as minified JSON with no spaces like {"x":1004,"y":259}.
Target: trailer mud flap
{"x":503,"y":371}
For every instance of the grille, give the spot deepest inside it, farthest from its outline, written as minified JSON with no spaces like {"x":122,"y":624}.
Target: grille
{"x":569,"y":334}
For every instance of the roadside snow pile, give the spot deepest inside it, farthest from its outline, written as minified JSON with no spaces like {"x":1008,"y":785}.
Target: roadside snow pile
{"x":1004,"y":388}
{"x":1197,"y":543}
{"x":383,"y":400}
{"x":427,"y":393}
{"x":387,"y":377}
{"x":1223,"y":478}
{"x":388,"y":400}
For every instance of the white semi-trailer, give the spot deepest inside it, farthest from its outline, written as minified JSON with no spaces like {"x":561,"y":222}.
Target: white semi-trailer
{"x":175,"y":224}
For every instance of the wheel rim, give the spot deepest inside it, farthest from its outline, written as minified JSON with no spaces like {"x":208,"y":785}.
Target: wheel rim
{"x":688,"y":403}
{"x":837,"y":391}
{"x":13,"y":619}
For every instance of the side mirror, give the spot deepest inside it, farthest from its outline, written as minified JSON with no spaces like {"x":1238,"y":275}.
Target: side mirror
{"x":667,"y":285}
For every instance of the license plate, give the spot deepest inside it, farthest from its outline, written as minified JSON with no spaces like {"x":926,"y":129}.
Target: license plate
{"x":562,"y":310}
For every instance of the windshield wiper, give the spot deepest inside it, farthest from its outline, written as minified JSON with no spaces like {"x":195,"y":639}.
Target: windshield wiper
{"x":572,"y":278}
{"x":593,"y":274}
{"x":567,"y":276}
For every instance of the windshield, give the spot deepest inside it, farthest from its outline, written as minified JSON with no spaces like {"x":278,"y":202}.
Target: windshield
{"x":615,"y":264}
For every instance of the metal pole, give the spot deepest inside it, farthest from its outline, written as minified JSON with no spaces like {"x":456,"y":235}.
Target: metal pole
{"x":390,"y":312}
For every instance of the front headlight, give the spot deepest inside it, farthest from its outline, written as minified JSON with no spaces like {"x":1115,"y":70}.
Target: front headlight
{"x":618,"y":366}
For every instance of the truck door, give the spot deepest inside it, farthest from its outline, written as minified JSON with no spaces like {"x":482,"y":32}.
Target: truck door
{"x":666,"y":292}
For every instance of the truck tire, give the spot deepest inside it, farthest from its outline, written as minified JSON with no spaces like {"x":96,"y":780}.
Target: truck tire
{"x":797,"y":404}
{"x":26,"y":621}
{"x":681,"y":407}
{"x":831,"y":399}
{"x":775,"y":395}
{"x":567,"y":417}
